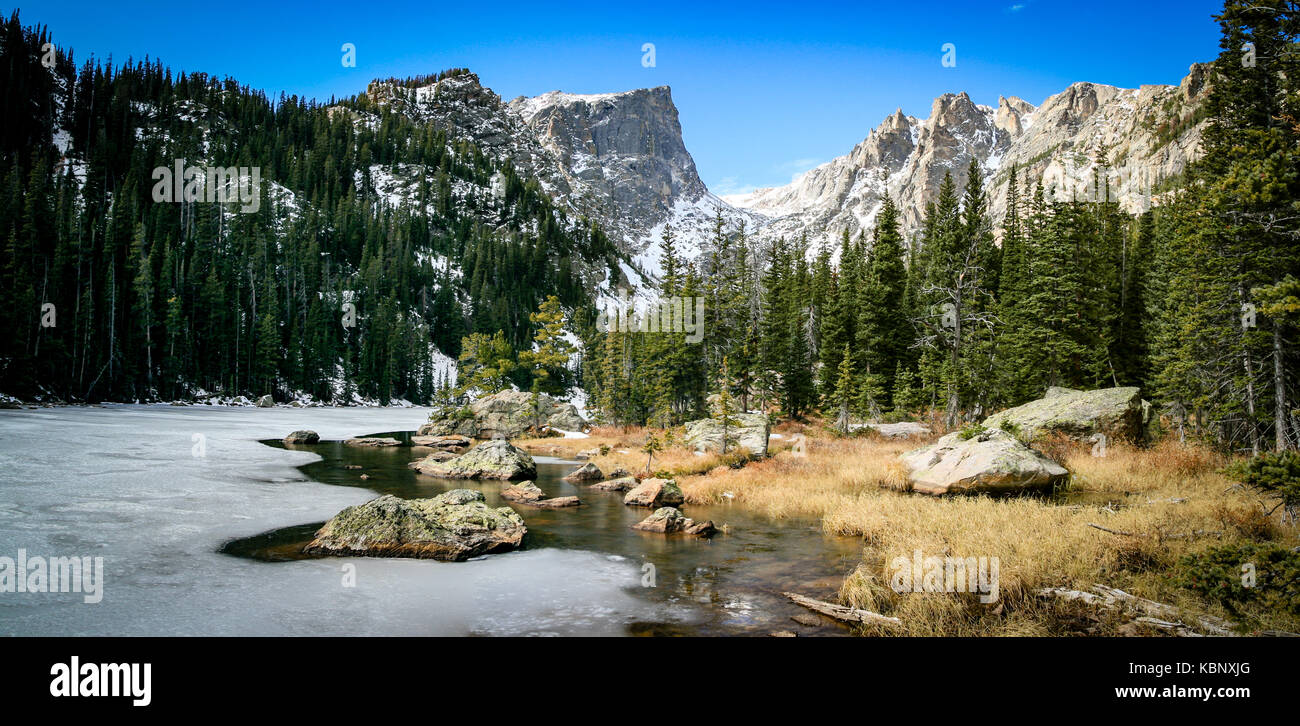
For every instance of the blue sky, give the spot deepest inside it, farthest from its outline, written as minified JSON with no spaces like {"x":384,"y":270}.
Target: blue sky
{"x":765,"y":90}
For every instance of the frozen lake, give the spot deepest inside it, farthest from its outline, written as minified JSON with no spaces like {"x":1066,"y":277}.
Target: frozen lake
{"x":131,"y":484}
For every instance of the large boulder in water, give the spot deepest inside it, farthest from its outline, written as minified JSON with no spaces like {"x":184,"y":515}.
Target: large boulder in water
{"x":747,"y":430}
{"x":585,"y":473}
{"x":303,"y":436}
{"x":454,"y":526}
{"x":507,"y":414}
{"x":655,"y":493}
{"x":489,"y":460}
{"x":1117,"y":413}
{"x":670,"y":520}
{"x":990,"y":461}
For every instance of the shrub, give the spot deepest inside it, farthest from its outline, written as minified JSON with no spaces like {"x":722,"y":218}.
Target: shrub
{"x":972,"y":431}
{"x":1276,"y":475}
{"x":1220,"y":574}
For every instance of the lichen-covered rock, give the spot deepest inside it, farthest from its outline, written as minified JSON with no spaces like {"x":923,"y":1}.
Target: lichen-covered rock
{"x":554,"y":503}
{"x":670,"y":520}
{"x":302,"y":437}
{"x":507,"y":414}
{"x":452,"y":425}
{"x":489,"y":460}
{"x":267,"y":401}
{"x":586,"y":472}
{"x":373,"y":441}
{"x":900,"y":430}
{"x":748,"y":430}
{"x":454,"y":526}
{"x":1118,"y":413}
{"x":452,"y":442}
{"x":436,"y":456}
{"x":524,"y":491}
{"x":991,"y":461}
{"x":621,"y":484}
{"x":655,"y":493}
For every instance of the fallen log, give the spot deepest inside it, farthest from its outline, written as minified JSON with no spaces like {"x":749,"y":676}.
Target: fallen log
{"x":1178,"y":629}
{"x":842,"y":612}
{"x":1152,"y":613}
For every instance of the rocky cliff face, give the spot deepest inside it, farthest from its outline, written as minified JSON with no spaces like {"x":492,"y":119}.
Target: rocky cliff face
{"x":615,"y":158}
{"x":1145,"y":136}
{"x":619,"y":158}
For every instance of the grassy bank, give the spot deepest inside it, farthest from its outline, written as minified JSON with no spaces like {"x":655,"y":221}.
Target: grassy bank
{"x":1156,"y":506}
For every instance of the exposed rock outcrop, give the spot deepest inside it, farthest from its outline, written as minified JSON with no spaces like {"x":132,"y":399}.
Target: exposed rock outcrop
{"x":452,"y":442}
{"x":585,"y":473}
{"x":991,"y":461}
{"x":489,"y":460}
{"x":655,"y":493}
{"x":901,"y":430}
{"x":302,"y":437}
{"x":1118,"y":413}
{"x":749,"y":431}
{"x":670,"y":520}
{"x":373,"y":442}
{"x":621,"y":484}
{"x":524,"y":491}
{"x":507,"y":415}
{"x":454,"y":526}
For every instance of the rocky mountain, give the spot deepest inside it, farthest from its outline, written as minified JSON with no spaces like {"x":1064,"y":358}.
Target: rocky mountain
{"x":1144,"y":137}
{"x":619,"y":158}
{"x":615,"y":158}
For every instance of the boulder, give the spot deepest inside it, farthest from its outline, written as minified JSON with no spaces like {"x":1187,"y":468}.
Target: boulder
{"x":621,"y":484}
{"x":267,"y":401}
{"x":901,"y":430}
{"x":554,"y":502}
{"x":373,"y":441}
{"x":524,"y":491}
{"x":991,"y":461}
{"x":302,"y":437}
{"x":437,"y":456}
{"x":449,"y":426}
{"x":619,"y":473}
{"x":507,"y":414}
{"x":749,"y":431}
{"x":454,"y":526}
{"x":453,"y":442}
{"x":670,"y":520}
{"x":1118,"y":413}
{"x":489,"y":460}
{"x":586,"y":472}
{"x":655,"y":493}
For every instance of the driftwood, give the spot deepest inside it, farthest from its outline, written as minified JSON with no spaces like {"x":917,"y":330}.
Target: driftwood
{"x":1178,"y":629}
{"x":841,"y":612}
{"x":1153,"y":613}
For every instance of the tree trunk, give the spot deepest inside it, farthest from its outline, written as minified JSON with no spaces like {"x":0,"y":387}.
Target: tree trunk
{"x":1251,"y":428}
{"x":1279,"y":391}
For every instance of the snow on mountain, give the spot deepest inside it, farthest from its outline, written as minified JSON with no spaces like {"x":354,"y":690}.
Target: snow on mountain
{"x":1145,"y":136}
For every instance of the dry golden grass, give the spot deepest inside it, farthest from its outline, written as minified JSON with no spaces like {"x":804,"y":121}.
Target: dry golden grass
{"x":1170,"y":501}
{"x":623,"y":451}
